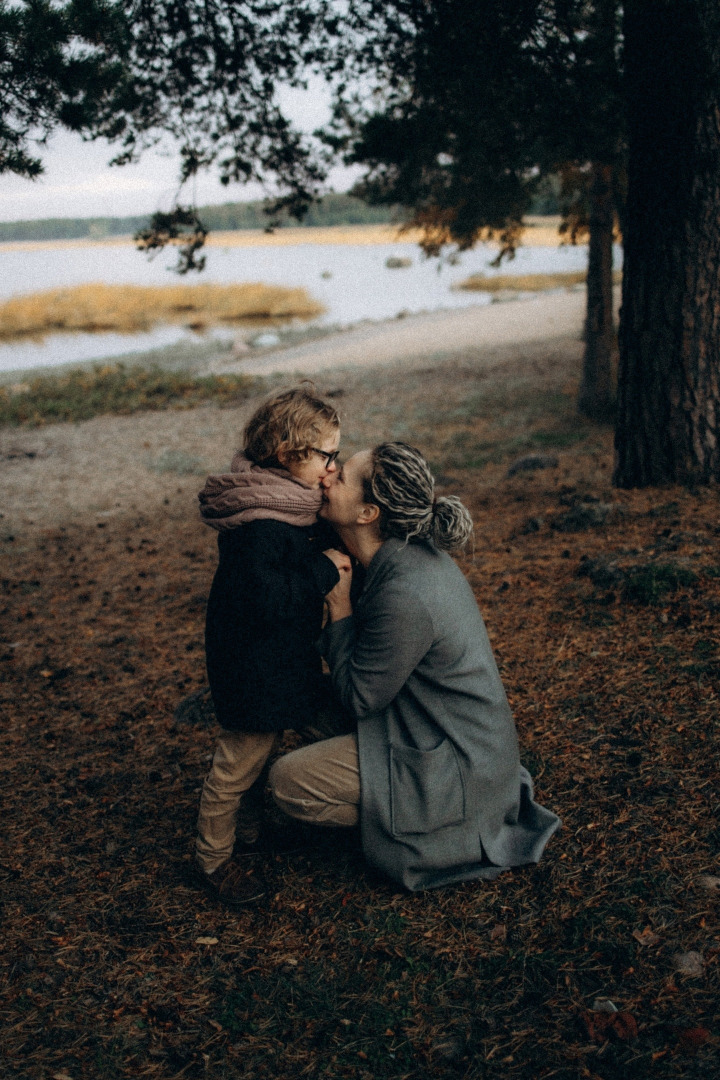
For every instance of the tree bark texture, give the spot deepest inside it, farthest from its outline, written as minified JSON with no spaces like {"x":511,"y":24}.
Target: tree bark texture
{"x":668,"y":393}
{"x":596,"y":394}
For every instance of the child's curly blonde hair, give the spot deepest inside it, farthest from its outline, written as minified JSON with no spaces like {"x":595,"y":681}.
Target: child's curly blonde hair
{"x":291,"y":421}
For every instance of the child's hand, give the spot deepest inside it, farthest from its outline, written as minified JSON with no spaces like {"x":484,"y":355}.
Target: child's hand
{"x":341,"y":560}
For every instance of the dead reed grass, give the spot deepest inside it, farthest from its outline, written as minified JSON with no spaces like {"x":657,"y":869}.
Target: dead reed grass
{"x":133,"y":308}
{"x":538,"y":232}
{"x":527,"y":282}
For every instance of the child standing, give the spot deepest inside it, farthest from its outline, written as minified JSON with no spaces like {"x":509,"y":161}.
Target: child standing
{"x":276,"y":564}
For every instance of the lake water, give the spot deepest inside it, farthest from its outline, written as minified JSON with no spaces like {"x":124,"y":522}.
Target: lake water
{"x":351,"y":281}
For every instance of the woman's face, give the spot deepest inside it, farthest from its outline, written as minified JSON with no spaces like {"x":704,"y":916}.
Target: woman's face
{"x":315,"y":468}
{"x":343,"y":490}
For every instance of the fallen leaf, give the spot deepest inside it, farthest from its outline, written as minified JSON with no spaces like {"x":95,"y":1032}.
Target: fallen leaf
{"x":604,"y":1005}
{"x":602,"y":1024}
{"x":646,"y":936}
{"x":709,"y":882}
{"x":692,"y":1038}
{"x":597,"y":1025}
{"x":689,"y":963}
{"x":499,"y":932}
{"x":624,"y":1026}
{"x":206,"y":941}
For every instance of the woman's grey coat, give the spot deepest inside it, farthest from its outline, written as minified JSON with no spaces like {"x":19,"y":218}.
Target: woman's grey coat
{"x":443,"y":795}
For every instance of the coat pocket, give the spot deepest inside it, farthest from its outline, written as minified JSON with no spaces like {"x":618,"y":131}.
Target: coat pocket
{"x":426,"y":789}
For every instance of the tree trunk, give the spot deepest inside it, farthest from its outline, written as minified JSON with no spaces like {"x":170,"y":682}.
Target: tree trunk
{"x":668,"y":386}
{"x":596,"y":396}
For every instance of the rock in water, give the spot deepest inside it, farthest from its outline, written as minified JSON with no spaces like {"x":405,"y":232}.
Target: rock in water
{"x":265,"y":340}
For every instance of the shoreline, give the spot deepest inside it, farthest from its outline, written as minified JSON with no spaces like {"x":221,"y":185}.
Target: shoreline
{"x":429,"y":334}
{"x":539,"y":232}
{"x":112,"y":464}
{"x":366,"y":343}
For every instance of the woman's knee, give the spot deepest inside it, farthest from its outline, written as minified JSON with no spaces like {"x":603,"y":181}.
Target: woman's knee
{"x":280,"y":778}
{"x":318,"y":783}
{"x":287,"y":792}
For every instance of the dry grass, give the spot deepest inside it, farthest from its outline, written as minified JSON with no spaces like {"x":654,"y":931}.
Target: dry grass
{"x":539,"y":232}
{"x":120,"y":389}
{"x":114,"y":967}
{"x":527,"y":282}
{"x":132,"y":308}
{"x":363,"y":235}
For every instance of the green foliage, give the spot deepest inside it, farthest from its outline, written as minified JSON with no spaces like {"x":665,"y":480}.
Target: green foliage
{"x":225,"y":217}
{"x":181,"y":224}
{"x":482,"y":110}
{"x":649,"y":584}
{"x":203,"y":74}
{"x":69,"y":228}
{"x":547,"y":196}
{"x":462,"y":151}
{"x":82,"y":394}
{"x":333,"y":210}
{"x":60,"y":64}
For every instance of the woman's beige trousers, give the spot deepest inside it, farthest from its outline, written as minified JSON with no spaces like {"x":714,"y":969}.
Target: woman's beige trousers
{"x":318,"y":784}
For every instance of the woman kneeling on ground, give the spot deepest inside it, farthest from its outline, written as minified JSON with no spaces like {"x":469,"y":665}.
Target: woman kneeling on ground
{"x":433,"y":774}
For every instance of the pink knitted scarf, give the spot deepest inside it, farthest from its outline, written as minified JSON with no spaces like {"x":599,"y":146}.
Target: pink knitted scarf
{"x":249,"y":492}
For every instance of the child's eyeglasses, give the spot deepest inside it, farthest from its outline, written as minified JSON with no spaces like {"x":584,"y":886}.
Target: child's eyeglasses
{"x":330,"y":458}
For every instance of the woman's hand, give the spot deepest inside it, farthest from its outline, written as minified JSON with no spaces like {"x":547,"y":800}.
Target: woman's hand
{"x":341,"y":560}
{"x":338,"y":599}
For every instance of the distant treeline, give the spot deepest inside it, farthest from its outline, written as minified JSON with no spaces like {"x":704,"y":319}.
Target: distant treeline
{"x":333,"y":210}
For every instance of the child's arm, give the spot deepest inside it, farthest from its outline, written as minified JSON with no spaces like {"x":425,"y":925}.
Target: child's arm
{"x":276,"y":584}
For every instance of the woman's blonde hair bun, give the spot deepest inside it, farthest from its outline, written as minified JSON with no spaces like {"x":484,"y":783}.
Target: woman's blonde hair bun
{"x":401,"y":485}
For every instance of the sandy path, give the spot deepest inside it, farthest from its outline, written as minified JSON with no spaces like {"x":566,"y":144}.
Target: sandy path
{"x":486,"y":326}
{"x":115,"y":465}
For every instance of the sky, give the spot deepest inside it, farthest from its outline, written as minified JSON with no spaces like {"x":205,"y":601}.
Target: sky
{"x":78,"y":182}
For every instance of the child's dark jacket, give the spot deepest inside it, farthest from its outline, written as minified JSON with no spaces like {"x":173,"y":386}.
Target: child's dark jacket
{"x":264,"y":616}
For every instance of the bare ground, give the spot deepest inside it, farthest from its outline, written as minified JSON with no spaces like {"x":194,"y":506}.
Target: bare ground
{"x":602,"y":607}
{"x":111,"y":465}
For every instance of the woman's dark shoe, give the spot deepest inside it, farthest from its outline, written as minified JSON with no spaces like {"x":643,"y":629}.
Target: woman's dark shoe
{"x":232,"y":884}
